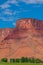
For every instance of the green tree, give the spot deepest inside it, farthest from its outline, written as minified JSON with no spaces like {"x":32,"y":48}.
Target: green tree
{"x":4,"y":60}
{"x":17,"y":60}
{"x":26,"y":59}
{"x":23,"y":59}
{"x":32,"y":60}
{"x":29,"y":60}
{"x":12,"y":60}
{"x":38,"y":60}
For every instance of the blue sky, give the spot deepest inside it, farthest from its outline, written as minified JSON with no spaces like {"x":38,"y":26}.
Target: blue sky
{"x":12,"y":10}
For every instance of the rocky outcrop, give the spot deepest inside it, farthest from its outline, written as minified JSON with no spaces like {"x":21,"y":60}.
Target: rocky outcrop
{"x":24,"y":40}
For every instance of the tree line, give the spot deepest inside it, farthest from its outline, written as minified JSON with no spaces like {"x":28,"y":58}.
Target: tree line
{"x":22,"y":60}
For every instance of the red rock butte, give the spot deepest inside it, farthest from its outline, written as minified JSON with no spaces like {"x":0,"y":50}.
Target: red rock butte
{"x":26,"y":40}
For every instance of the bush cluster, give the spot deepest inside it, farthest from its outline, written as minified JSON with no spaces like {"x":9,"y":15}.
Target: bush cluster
{"x":23,"y":60}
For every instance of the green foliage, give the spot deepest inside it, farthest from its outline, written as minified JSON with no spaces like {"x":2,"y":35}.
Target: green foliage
{"x":17,"y":60}
{"x":38,"y":60}
{"x":4,"y":60}
{"x":26,"y":59}
{"x":23,"y":60}
{"x":12,"y":60}
{"x":31,"y":60}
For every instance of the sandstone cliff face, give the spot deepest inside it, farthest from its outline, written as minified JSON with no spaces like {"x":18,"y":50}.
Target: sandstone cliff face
{"x":24,"y":40}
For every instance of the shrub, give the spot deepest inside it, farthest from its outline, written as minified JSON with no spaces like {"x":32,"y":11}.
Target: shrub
{"x":4,"y":60}
{"x":12,"y":60}
{"x":38,"y":60}
{"x":26,"y":59}
{"x":23,"y":59}
{"x":17,"y":60}
{"x":32,"y":60}
{"x":29,"y":60}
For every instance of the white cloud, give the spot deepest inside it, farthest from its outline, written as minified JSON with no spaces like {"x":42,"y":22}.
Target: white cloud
{"x":7,"y":19}
{"x":29,"y":1}
{"x":15,"y":12}
{"x":14,"y":24}
{"x":41,"y":1}
{"x":16,"y":2}
{"x":7,"y":4}
{"x":7,"y":12}
{"x":32,"y":1}
{"x":11,"y":15}
{"x":13,"y":2}
{"x":37,"y":6}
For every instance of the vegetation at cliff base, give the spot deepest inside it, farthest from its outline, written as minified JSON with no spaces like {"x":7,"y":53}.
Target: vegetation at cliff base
{"x":22,"y":60}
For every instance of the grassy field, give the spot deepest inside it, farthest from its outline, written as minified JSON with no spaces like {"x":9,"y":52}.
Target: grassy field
{"x":20,"y":64}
